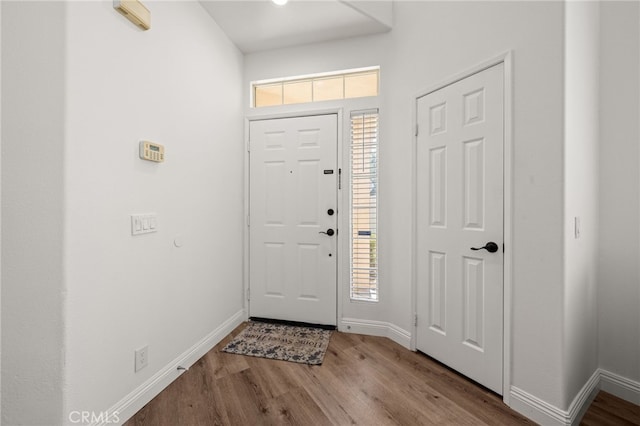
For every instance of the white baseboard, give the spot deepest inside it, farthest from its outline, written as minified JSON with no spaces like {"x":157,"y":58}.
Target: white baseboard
{"x":536,"y":409}
{"x":583,"y":399}
{"x":137,"y":399}
{"x":547,"y":414}
{"x":376,"y":328}
{"x":620,"y":386}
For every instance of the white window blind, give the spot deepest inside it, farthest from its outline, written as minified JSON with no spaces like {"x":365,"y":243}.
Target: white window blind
{"x":364,"y":205}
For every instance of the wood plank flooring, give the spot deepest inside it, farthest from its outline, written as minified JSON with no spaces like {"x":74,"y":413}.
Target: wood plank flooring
{"x":363,"y":380}
{"x":609,"y":410}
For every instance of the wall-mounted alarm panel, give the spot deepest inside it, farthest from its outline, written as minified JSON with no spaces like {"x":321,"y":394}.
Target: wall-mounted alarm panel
{"x":151,"y":151}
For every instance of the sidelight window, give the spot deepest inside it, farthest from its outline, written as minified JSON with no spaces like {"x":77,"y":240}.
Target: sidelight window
{"x":364,"y":205}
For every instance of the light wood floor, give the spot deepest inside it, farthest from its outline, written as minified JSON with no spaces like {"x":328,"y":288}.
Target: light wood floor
{"x":363,"y":380}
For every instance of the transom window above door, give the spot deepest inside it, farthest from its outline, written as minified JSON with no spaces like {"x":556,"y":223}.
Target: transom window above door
{"x":347,"y":84}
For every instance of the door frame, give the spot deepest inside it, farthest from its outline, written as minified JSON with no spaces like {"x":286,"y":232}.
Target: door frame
{"x":339,"y":208}
{"x":505,"y":58}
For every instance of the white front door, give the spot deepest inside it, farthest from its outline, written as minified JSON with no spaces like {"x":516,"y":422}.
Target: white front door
{"x":293,"y":217}
{"x":460,"y":207}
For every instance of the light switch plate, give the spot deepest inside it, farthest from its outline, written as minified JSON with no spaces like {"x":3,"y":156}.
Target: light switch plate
{"x":144,"y":223}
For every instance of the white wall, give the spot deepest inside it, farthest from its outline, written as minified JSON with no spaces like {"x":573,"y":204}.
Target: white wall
{"x":33,"y":64}
{"x":178,"y":84}
{"x":429,"y":42}
{"x":0,"y":215}
{"x":581,"y":151}
{"x":82,"y":86}
{"x":619,"y":273}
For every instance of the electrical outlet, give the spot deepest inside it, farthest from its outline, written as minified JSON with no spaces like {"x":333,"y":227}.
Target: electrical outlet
{"x":142,"y":358}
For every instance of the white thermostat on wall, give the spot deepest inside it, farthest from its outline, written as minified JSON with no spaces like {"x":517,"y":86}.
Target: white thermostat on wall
{"x":151,"y":151}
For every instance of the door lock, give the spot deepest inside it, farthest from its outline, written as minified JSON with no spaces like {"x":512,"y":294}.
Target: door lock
{"x":330,"y":212}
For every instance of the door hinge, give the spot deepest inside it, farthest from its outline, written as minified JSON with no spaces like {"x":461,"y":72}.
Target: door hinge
{"x":248,"y":146}
{"x":415,"y":320}
{"x":417,"y":130}
{"x":248,"y":294}
{"x":248,"y":221}
{"x":339,"y":178}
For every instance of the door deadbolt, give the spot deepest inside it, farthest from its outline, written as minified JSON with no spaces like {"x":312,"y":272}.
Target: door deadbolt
{"x":330,"y":212}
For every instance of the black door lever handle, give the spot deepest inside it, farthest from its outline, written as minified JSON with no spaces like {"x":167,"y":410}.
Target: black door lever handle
{"x":329,"y":232}
{"x":491,"y":247}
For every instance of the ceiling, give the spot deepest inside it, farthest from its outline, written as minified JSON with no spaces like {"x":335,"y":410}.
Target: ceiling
{"x":258,"y":25}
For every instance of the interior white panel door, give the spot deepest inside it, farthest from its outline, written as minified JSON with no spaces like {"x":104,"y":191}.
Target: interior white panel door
{"x":293,"y":185}
{"x":460,"y":207}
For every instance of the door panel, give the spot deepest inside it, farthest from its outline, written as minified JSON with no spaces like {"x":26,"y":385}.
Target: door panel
{"x":460,"y":206}
{"x":292,"y":265}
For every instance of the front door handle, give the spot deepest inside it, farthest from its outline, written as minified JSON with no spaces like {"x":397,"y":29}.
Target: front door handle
{"x":491,"y":247}
{"x":329,"y":232}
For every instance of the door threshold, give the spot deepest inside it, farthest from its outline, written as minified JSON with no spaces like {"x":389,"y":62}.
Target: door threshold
{"x":293,"y":323}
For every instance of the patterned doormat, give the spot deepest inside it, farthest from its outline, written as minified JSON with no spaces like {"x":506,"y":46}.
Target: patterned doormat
{"x":305,"y":345}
